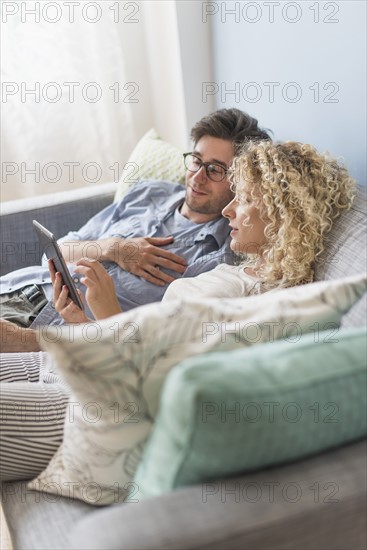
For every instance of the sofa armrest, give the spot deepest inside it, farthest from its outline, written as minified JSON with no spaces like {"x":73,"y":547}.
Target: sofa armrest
{"x":315,"y":503}
{"x":59,"y":212}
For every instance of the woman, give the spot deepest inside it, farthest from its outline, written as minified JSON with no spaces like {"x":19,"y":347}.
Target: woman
{"x":286,"y":197}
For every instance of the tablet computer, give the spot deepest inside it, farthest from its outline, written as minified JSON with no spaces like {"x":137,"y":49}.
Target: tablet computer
{"x":52,"y":251}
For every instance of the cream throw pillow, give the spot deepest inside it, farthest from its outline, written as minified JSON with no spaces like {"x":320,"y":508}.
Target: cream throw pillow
{"x":116,"y":370}
{"x":152,"y":158}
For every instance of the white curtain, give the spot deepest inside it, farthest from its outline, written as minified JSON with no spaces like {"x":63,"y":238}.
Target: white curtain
{"x":77,"y":95}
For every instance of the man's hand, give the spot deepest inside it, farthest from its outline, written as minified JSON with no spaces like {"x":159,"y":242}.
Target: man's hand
{"x":143,"y":257}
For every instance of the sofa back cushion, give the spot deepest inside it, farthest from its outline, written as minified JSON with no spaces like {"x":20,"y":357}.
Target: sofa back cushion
{"x":345,"y":253}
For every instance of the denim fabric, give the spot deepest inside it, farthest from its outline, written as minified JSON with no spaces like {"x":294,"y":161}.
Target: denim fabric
{"x":18,"y":308}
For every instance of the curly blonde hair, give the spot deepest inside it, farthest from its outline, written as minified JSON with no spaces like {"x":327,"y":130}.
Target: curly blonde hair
{"x":299,"y":192}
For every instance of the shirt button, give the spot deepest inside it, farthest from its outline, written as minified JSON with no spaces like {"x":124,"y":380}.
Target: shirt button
{"x":76,"y":280}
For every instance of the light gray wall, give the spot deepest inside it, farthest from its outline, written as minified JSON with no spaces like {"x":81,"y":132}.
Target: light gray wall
{"x":328,"y":55}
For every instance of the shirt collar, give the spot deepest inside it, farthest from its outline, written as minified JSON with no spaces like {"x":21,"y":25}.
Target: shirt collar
{"x":219,"y":228}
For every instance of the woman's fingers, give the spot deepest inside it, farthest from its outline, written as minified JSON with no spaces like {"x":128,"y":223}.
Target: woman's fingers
{"x":56,"y":280}
{"x":91,"y":263}
{"x":61,"y":299}
{"x":63,"y":304}
{"x":92,"y":269}
{"x":69,"y":311}
{"x":57,"y":287}
{"x":52,"y":270}
{"x":100,"y":294}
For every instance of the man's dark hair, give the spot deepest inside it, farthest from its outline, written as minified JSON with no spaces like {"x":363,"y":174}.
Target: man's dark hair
{"x":229,"y":124}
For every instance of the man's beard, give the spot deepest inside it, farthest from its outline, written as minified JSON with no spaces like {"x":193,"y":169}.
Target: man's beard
{"x":207,"y":207}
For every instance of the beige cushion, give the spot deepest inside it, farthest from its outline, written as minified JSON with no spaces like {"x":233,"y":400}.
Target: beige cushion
{"x":152,"y":158}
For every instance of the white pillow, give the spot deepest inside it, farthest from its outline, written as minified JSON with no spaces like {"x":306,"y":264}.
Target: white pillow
{"x":116,"y":371}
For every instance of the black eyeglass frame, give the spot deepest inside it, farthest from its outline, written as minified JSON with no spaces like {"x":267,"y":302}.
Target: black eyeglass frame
{"x":206,"y":165}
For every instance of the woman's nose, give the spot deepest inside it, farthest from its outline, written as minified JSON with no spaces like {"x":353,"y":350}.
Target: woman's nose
{"x":227,"y":211}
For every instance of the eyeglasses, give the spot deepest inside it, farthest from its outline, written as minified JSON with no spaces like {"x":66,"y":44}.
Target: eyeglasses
{"x":215,"y":172}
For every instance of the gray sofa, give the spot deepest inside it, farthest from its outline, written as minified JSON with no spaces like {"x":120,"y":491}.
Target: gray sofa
{"x":184,"y":519}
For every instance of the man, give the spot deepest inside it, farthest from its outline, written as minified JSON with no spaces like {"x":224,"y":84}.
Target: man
{"x":158,"y":232}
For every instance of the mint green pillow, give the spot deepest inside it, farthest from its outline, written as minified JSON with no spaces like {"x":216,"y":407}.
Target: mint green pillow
{"x":152,"y":158}
{"x":230,"y":412}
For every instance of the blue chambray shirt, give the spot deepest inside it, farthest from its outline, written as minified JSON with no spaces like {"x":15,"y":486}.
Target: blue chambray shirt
{"x":149,"y":209}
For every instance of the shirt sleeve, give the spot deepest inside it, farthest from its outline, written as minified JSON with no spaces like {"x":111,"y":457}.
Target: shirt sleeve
{"x":101,"y":222}
{"x":94,"y":227}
